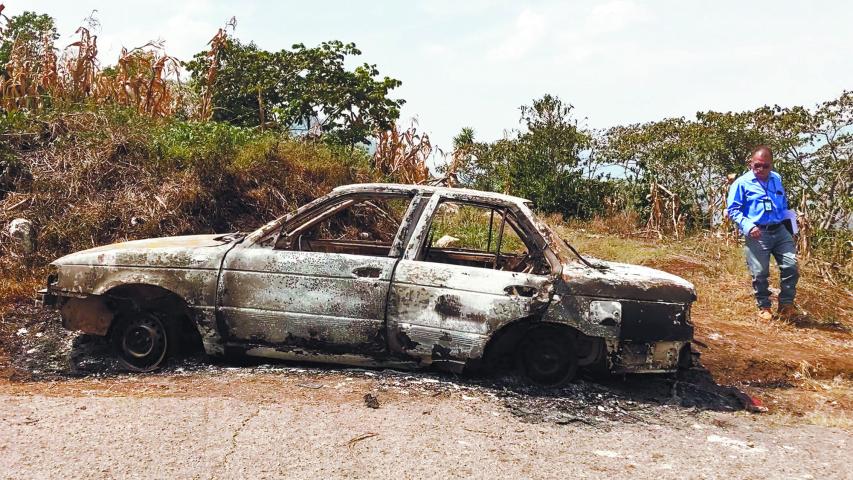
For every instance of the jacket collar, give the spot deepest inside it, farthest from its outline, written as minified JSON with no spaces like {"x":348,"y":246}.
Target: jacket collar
{"x":755,"y":179}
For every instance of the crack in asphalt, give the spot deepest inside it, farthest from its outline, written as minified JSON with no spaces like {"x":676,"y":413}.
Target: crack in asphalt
{"x":235,"y":434}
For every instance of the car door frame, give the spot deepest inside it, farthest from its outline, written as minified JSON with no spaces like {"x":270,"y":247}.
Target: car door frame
{"x":310,"y":332}
{"x":441,"y":313}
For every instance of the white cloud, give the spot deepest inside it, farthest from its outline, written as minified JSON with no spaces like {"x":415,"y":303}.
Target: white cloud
{"x":602,"y":35}
{"x":435,"y":50}
{"x":618,"y":61}
{"x":615,"y":16}
{"x":530,"y":28}
{"x":447,"y":8}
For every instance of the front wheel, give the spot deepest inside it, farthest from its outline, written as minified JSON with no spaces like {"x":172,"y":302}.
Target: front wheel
{"x":547,"y":356}
{"x":142,"y":341}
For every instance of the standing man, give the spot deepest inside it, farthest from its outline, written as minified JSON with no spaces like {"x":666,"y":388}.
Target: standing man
{"x":757,"y":204}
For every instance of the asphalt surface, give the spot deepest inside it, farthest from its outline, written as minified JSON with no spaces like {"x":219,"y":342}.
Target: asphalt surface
{"x":284,"y":421}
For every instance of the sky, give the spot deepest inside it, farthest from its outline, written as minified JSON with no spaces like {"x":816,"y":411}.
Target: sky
{"x":473,"y":63}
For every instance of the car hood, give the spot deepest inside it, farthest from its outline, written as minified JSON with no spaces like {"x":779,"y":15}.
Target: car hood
{"x":625,"y":281}
{"x":191,"y":251}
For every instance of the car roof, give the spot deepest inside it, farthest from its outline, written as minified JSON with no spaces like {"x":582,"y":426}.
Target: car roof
{"x":449,"y":191}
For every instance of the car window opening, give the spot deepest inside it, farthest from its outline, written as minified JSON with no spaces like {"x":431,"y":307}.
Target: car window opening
{"x":477,"y":236}
{"x":365,"y":226}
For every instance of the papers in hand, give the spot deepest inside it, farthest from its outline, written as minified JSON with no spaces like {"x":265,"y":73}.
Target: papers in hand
{"x":792,"y":217}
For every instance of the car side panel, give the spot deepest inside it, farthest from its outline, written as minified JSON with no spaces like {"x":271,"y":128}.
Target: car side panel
{"x":196,"y":286}
{"x":317,"y":301}
{"x":447,"y":313}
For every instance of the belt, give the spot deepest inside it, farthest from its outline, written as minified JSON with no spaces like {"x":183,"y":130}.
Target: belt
{"x":770,"y":226}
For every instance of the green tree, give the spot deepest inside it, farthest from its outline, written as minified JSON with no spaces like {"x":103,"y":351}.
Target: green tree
{"x":812,"y":151}
{"x":307,"y":89}
{"x":34,"y":32}
{"x":546,"y":166}
{"x":543,"y":162}
{"x":693,"y":158}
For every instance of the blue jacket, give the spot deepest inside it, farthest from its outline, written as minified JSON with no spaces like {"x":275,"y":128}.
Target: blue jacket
{"x":746,"y":201}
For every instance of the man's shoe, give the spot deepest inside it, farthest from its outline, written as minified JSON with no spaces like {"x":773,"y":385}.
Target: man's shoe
{"x":765,"y":313}
{"x":787,"y":311}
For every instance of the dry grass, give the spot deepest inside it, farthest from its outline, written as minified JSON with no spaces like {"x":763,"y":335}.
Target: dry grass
{"x":800,"y":368}
{"x":144,"y":78}
{"x":94,"y":177}
{"x":104,"y":176}
{"x":20,"y":288}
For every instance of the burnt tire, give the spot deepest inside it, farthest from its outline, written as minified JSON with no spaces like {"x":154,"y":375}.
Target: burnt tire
{"x":143,"y":341}
{"x":547,"y":356}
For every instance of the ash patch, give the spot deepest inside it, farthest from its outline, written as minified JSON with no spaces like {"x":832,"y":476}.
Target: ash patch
{"x":642,"y":399}
{"x":39,"y":345}
{"x":646,"y":399}
{"x":43,"y":350}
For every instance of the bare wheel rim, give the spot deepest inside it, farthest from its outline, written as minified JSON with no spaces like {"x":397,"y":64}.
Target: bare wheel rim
{"x":144,"y":342}
{"x":546,"y":357}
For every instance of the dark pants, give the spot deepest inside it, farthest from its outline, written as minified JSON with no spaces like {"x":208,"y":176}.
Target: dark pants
{"x":780,"y":244}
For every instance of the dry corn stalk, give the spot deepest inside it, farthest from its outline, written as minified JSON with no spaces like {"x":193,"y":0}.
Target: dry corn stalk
{"x":29,"y":73}
{"x":144,"y":78}
{"x":804,"y":227}
{"x":665,"y":213}
{"x":141,"y":80}
{"x":49,"y":80}
{"x":402,"y":155}
{"x":450,"y":177}
{"x":80,"y":67}
{"x":217,"y":44}
{"x":727,"y":227}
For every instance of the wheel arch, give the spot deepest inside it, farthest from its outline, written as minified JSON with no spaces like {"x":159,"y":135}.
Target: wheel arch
{"x":501,"y":346}
{"x":503,"y":341}
{"x":173,"y":307}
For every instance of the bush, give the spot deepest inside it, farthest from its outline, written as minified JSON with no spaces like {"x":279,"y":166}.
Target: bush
{"x":98,"y":177}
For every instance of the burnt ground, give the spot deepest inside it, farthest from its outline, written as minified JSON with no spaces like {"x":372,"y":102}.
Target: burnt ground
{"x":66,"y":409}
{"x":45,"y":352}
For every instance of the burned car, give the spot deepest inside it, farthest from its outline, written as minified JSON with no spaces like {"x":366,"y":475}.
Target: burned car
{"x":382,"y":275}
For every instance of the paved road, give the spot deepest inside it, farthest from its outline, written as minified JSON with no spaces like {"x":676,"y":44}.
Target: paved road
{"x":237,"y":423}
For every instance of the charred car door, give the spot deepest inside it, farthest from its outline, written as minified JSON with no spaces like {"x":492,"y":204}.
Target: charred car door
{"x":469,"y":269}
{"x":322,"y":284}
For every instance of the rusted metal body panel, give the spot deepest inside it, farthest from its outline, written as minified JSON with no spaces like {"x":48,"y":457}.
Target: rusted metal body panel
{"x":187,"y":266}
{"x":89,"y":314}
{"x":306,"y":299}
{"x":589,"y":315}
{"x":620,"y":280}
{"x":447,"y":313}
{"x":261,"y":295}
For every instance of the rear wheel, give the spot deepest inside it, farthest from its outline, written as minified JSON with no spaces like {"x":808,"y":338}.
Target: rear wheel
{"x":142,"y":341}
{"x":547,"y":356}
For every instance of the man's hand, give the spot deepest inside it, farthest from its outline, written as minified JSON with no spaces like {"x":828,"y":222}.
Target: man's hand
{"x":755,"y":233}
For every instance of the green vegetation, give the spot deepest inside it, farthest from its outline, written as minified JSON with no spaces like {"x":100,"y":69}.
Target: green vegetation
{"x":304,"y":89}
{"x":94,"y":155}
{"x":676,"y":171}
{"x":476,"y":228}
{"x":30,"y":29}
{"x":88,"y":178}
{"x":542,"y":163}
